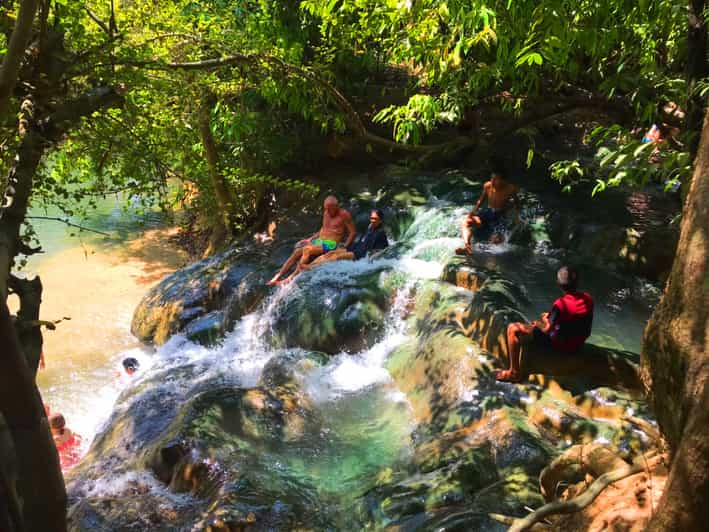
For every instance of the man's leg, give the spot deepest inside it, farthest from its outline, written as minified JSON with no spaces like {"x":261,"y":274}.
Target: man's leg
{"x":469,"y":224}
{"x":308,"y":254}
{"x":295,"y":256}
{"x":517,"y":333}
{"x":338,"y":254}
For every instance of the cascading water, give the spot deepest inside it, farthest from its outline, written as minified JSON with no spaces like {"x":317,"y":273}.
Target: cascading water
{"x":362,"y":424}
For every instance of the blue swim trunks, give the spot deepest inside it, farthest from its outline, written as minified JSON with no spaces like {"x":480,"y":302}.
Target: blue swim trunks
{"x":327,"y":245}
{"x":493,"y":221}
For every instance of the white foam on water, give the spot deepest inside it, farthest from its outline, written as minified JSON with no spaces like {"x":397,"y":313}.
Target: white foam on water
{"x":85,"y":409}
{"x":348,"y":373}
{"x":111,"y":485}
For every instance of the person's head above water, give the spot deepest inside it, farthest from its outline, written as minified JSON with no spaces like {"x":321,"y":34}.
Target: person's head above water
{"x":498,"y":177}
{"x":567,"y":278}
{"x":131,"y":365}
{"x":56,"y":421}
{"x":331,"y":205}
{"x":376,"y":216}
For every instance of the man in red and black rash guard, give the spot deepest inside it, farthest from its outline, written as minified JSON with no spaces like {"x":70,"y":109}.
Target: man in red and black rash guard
{"x":564,"y":328}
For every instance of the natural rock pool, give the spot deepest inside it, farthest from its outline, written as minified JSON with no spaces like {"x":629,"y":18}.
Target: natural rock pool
{"x":359,"y":396}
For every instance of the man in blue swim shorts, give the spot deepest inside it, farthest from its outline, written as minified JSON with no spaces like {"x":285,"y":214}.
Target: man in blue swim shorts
{"x":335,"y":223}
{"x":489,"y":223}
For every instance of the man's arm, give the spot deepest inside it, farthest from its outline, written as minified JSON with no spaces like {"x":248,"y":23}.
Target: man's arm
{"x":351,"y":230}
{"x":480,"y":200}
{"x":549,"y":320}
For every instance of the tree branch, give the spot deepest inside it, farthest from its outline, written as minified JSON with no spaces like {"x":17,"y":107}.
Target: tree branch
{"x":98,"y":21}
{"x":16,"y":51}
{"x":353,"y":120}
{"x":37,"y":133}
{"x":67,"y":222}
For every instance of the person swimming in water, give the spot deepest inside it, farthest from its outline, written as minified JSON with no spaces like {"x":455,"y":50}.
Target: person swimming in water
{"x":489,"y":223}
{"x":66,"y":441}
{"x":130,"y":365}
{"x":335,"y":223}
{"x":564,"y":328}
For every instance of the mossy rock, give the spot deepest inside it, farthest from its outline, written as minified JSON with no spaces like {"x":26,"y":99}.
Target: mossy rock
{"x":490,"y":466}
{"x":437,"y":304}
{"x":247,"y":293}
{"x":331,"y":315}
{"x":218,"y":446}
{"x":590,"y":367}
{"x":506,"y":431}
{"x":190,"y":293}
{"x":285,"y":368}
{"x":434,"y":371}
{"x":461,"y":273}
{"x":206,"y":330}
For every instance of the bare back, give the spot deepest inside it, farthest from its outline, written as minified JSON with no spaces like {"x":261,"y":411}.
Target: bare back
{"x":334,"y":227}
{"x":499,"y":197}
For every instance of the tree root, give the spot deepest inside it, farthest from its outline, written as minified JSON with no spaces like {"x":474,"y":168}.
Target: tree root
{"x":578,"y":503}
{"x":645,"y":426}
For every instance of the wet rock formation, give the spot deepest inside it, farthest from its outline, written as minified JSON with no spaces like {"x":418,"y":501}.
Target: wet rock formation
{"x":202,"y":300}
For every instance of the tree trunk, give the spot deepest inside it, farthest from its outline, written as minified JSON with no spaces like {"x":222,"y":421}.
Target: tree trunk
{"x":29,"y":332}
{"x":15,"y":51}
{"x":221,"y":191}
{"x":696,"y":70}
{"x":20,"y":178}
{"x":10,"y":506}
{"x":676,"y":361}
{"x":40,"y":484}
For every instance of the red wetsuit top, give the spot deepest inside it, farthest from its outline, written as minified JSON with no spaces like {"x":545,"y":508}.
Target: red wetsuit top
{"x":69,"y":452}
{"x":571,"y":319}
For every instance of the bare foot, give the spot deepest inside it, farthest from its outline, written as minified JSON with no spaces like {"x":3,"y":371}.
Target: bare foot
{"x":285,"y":281}
{"x":274,"y":281}
{"x":507,"y":375}
{"x":464,"y":251}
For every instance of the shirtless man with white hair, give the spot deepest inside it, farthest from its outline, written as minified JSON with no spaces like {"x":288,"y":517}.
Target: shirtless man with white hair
{"x":335,"y":222}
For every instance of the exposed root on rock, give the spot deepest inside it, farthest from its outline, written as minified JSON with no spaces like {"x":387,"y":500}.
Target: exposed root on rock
{"x":578,"y":503}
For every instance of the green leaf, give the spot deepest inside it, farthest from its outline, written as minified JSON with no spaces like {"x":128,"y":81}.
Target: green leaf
{"x":600,"y":187}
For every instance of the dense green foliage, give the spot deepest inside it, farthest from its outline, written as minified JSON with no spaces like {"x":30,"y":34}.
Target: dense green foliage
{"x":266,"y":113}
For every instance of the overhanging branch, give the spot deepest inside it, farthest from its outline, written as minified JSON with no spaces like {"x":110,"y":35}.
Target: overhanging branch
{"x":38,"y":133}
{"x":538,"y":108}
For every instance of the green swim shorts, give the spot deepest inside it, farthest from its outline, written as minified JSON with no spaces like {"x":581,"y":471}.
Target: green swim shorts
{"x":327,"y":245}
